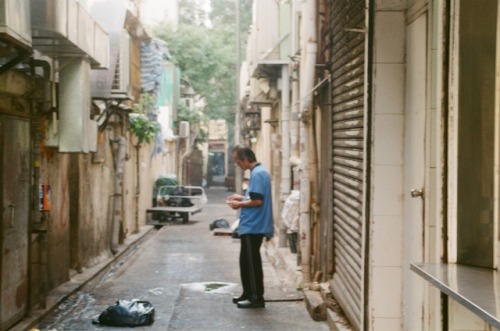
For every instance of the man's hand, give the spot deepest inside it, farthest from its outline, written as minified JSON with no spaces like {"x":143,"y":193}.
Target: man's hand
{"x":234,"y":204}
{"x":235,"y":197}
{"x":234,"y":201}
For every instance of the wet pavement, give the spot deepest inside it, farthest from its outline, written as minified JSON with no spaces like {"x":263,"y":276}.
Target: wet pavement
{"x":190,"y":276}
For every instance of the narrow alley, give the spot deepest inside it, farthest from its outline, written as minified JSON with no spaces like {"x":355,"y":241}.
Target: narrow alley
{"x":190,"y":276}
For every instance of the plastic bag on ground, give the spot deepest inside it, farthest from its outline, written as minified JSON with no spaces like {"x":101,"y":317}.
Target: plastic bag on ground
{"x":219,"y":223}
{"x":128,"y":313}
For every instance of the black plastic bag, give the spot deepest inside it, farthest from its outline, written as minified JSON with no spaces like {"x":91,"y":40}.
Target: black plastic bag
{"x":219,"y":223}
{"x":128,"y":313}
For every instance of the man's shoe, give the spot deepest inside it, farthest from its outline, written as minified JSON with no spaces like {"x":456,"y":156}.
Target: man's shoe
{"x":242,"y":297}
{"x":251,"y":304}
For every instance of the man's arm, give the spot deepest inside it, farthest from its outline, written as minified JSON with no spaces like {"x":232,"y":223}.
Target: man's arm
{"x":254,"y":201}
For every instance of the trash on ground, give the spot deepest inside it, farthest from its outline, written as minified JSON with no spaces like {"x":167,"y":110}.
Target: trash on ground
{"x":235,"y":229}
{"x":127,"y":313}
{"x":219,"y":223}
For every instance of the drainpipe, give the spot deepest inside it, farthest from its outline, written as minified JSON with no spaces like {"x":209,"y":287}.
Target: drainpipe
{"x":285,"y":147}
{"x":308,"y":62}
{"x":294,"y":124}
{"x":117,"y":197}
{"x":137,"y":185}
{"x":39,"y":220}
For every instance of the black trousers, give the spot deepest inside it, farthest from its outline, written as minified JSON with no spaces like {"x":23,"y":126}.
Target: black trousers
{"x":252,"y":277}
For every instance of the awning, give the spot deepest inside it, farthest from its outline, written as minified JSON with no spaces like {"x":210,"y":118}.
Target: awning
{"x":63,"y":28}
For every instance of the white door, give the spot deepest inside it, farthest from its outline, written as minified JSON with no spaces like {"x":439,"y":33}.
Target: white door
{"x":414,"y":165}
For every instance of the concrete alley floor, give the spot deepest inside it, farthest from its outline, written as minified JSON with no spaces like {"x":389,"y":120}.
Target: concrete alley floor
{"x":190,"y":276}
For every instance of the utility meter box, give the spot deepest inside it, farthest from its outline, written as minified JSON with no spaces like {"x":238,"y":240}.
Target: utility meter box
{"x":184,"y":129}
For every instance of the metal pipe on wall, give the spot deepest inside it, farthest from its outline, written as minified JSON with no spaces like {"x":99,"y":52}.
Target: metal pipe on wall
{"x":238,"y":173}
{"x":137,"y":185}
{"x":294,"y":124}
{"x":38,"y":223}
{"x":286,"y":173}
{"x":308,"y":62}
{"x":117,"y":196}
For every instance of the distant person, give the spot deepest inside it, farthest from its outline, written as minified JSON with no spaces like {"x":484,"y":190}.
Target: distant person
{"x":256,"y":223}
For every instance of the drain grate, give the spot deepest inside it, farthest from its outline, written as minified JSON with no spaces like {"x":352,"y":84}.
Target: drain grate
{"x":214,"y":286}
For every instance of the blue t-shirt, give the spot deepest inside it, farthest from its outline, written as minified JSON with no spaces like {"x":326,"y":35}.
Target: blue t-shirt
{"x":258,"y":220}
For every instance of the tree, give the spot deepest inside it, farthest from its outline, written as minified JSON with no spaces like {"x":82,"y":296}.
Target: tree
{"x":193,"y":12}
{"x":144,"y":129}
{"x":204,"y":48}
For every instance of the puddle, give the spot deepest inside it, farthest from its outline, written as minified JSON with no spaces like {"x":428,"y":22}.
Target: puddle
{"x":211,"y":287}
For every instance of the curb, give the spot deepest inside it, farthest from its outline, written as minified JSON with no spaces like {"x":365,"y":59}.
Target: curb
{"x":59,"y":294}
{"x":319,"y":304}
{"x":281,"y":258}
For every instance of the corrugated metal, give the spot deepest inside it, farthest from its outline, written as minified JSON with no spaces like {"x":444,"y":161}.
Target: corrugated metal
{"x":347,"y":22}
{"x":152,"y":52}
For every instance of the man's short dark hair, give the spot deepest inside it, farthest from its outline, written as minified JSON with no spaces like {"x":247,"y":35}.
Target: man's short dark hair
{"x":244,"y":153}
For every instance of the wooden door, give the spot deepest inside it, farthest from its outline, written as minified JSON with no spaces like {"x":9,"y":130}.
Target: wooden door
{"x":14,"y":195}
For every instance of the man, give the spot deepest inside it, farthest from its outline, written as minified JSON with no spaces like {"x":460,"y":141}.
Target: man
{"x":256,"y":223}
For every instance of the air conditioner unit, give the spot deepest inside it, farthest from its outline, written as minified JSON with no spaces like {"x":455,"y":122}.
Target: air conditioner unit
{"x":15,"y":22}
{"x":121,"y":80}
{"x":184,"y":129}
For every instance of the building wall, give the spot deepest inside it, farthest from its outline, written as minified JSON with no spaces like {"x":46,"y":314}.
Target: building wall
{"x":80,"y":221}
{"x":410,"y":73}
{"x":92,"y":199}
{"x":55,"y":171}
{"x":16,"y":166}
{"x":386,"y":214}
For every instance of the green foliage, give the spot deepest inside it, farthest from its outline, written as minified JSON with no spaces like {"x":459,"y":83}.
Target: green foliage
{"x":204,"y":48}
{"x":146,"y":104}
{"x":144,"y":129}
{"x":189,"y":115}
{"x":193,"y":116}
{"x":192,"y":12}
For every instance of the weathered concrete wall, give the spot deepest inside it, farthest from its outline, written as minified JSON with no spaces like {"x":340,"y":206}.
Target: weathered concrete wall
{"x":54,"y":171}
{"x":80,"y":220}
{"x":94,"y":203}
{"x":150,"y":169}
{"x":137,"y":198}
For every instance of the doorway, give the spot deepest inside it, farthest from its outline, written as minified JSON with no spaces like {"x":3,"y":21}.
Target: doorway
{"x":15,"y":197}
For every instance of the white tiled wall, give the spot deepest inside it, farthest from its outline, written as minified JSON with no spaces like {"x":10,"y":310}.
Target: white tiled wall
{"x":462,"y":319}
{"x":386,"y":231}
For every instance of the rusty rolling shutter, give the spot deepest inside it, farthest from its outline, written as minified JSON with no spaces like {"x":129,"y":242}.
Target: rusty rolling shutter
{"x":347,"y":19}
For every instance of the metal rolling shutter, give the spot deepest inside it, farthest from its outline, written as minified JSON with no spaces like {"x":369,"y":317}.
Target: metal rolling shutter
{"x":348,"y":117}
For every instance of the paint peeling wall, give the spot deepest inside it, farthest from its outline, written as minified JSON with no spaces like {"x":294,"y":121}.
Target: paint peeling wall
{"x":80,"y":221}
{"x":54,"y":171}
